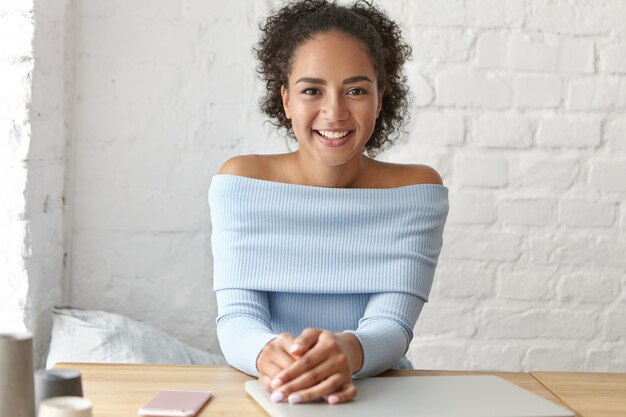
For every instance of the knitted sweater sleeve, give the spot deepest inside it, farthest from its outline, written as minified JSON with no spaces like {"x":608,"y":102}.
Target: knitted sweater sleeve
{"x":243,"y":327}
{"x":386,"y":330}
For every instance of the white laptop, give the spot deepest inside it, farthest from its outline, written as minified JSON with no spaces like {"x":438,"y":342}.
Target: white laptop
{"x":423,"y":396}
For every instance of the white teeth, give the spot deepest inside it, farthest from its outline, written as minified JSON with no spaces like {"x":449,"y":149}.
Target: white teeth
{"x":333,"y":135}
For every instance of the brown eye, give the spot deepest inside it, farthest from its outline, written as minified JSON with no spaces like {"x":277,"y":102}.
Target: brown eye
{"x":310,"y":91}
{"x":357,"y":91}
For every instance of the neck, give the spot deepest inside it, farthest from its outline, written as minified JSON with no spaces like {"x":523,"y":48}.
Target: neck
{"x":347,"y":175}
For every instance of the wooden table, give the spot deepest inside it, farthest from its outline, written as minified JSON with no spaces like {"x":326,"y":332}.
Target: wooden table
{"x":588,"y":394}
{"x":119,"y":390}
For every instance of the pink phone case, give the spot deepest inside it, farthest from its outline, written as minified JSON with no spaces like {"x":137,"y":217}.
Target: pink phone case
{"x":176,"y":403}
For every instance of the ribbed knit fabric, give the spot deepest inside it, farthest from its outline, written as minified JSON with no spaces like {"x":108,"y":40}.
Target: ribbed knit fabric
{"x":290,"y":256}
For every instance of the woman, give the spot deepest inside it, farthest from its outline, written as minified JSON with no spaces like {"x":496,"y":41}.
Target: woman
{"x":324,"y":256}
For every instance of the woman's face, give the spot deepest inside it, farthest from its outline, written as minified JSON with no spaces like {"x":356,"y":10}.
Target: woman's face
{"x":332,"y":99}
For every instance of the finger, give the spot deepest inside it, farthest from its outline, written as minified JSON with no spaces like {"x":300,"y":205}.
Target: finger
{"x":345,"y":394}
{"x":280,"y":359}
{"x":304,"y":342}
{"x":270,"y":370}
{"x":265,"y":380}
{"x":328,"y":386}
{"x":302,"y":368}
{"x":330,"y":367}
{"x":276,"y":352}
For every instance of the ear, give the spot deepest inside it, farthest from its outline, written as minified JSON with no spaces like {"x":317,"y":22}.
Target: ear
{"x":284,"y":92}
{"x":380,"y":103}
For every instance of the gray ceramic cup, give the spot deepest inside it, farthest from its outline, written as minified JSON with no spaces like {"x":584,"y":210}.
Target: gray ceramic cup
{"x":16,"y":375}
{"x":57,"y":383}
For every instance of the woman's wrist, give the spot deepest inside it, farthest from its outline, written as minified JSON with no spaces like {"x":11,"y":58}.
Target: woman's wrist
{"x":351,"y":346}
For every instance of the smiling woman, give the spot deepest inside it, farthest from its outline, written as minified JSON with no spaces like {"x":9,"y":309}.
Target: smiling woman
{"x":331,"y":100}
{"x":325,"y":256}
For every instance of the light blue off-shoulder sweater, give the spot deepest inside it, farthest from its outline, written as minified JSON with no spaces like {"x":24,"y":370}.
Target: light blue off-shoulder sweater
{"x":289,"y":256}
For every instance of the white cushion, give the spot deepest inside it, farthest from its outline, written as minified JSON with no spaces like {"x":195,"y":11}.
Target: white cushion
{"x":98,"y":336}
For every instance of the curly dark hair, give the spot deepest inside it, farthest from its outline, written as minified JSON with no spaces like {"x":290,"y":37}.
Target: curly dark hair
{"x":295,"y":23}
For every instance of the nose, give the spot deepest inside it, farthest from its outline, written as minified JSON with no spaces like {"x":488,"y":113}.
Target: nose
{"x":334,"y":107}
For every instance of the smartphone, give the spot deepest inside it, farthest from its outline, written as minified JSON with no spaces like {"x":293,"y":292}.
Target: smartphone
{"x":175,"y":403}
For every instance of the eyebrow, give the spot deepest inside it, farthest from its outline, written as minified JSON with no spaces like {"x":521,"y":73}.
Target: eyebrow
{"x":350,"y":80}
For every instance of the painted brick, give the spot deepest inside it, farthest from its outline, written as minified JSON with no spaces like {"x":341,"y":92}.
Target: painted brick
{"x":589,"y":251}
{"x":538,"y":91}
{"x":480,"y":245}
{"x":440,"y":45}
{"x":524,"y":54}
{"x":471,"y":208}
{"x":593,"y":286}
{"x":447,"y":319}
{"x":608,"y":175}
{"x":597,"y":94}
{"x":529,"y":283}
{"x":438,"y":355}
{"x":541,"y":250}
{"x":469,"y":90}
{"x":615,"y":133}
{"x":497,"y":13}
{"x":538,"y":323}
{"x":423,"y":93}
{"x":586,"y":213}
{"x":494,"y":355}
{"x":439,"y":128}
{"x":576,"y":56}
{"x":437,"y":13}
{"x":532,"y":212}
{"x":481,"y":171}
{"x":492,"y":49}
{"x":503,"y":131}
{"x":576,"y":18}
{"x":569,"y":132}
{"x":554,"y":359}
{"x":465,"y":279}
{"x":606,"y":360}
{"x":613,"y":59}
{"x":614,"y":328}
{"x":544,"y":171}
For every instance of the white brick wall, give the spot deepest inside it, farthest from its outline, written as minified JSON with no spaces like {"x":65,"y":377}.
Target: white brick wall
{"x":535,"y":247}
{"x":16,"y":68}
{"x":34,"y":74}
{"x":520,"y":105}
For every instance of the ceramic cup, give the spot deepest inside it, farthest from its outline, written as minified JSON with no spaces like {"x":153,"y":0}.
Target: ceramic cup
{"x":65,"y":407}
{"x":16,"y":375}
{"x":57,"y":383}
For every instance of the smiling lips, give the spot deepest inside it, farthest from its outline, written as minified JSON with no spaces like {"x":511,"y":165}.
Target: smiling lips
{"x":333,"y":135}
{"x":333,"y":138}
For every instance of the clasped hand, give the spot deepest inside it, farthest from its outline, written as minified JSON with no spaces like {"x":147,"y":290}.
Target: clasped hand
{"x":316,"y":364}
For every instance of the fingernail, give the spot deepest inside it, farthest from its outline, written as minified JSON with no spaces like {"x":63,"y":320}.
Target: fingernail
{"x":276,"y":383}
{"x":277,"y":396}
{"x":294,"y":348}
{"x":294,"y":399}
{"x":333,"y":399}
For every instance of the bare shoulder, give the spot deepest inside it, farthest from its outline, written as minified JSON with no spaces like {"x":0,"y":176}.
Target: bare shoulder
{"x":400,"y":175}
{"x":252,"y":166}
{"x":422,"y":174}
{"x":242,"y":165}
